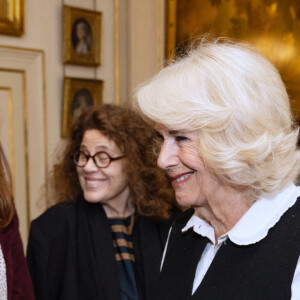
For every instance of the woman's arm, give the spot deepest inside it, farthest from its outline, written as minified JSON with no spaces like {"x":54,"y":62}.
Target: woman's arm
{"x":19,"y":281}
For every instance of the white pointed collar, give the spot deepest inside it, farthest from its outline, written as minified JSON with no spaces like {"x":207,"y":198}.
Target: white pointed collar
{"x":255,"y":223}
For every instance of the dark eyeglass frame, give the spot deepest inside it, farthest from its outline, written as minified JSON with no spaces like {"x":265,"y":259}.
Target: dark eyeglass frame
{"x":87,"y":156}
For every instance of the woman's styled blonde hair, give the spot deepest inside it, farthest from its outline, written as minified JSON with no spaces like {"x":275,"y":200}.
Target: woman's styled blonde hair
{"x":236,"y":100}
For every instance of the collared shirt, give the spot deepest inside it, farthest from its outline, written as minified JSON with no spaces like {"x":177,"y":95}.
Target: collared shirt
{"x":251,"y":228}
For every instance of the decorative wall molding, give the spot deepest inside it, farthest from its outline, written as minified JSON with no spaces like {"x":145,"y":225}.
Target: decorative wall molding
{"x":28,"y":63}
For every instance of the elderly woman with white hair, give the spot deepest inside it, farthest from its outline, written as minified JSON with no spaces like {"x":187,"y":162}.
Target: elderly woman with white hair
{"x":228,"y":143}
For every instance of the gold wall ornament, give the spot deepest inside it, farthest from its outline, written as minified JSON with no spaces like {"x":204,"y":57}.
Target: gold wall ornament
{"x":272,"y":26}
{"x":12,"y":17}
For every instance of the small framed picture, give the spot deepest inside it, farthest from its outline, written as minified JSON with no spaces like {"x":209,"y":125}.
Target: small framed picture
{"x":12,"y":17}
{"x":81,"y":36}
{"x":78,"y":95}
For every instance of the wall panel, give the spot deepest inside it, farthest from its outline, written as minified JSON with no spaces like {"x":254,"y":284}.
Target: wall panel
{"x":22,"y":108}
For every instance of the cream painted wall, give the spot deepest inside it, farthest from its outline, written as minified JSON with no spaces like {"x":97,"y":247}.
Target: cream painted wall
{"x":131,"y":52}
{"x":142,"y":41}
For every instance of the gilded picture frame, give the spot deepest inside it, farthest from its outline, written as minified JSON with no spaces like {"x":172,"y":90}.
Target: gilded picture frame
{"x":12,"y":17}
{"x":272,"y":26}
{"x":81,"y":36}
{"x":78,"y":95}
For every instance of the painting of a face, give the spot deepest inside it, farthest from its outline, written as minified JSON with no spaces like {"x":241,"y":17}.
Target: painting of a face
{"x":81,"y":37}
{"x":81,"y":101}
{"x":81,"y":31}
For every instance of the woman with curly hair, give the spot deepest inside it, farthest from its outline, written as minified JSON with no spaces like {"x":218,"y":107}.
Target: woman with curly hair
{"x":15,"y":280}
{"x":105,"y":236}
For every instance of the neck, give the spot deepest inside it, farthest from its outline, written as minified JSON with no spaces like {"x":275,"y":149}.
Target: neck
{"x":224,"y":210}
{"x":120,"y":207}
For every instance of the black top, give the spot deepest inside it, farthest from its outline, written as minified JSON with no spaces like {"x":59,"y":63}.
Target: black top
{"x":259,"y":271}
{"x":71,"y":254}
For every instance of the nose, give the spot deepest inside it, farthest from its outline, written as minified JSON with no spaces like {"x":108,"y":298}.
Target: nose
{"x":168,"y":155}
{"x":90,"y":166}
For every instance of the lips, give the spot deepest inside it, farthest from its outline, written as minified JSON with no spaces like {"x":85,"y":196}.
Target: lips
{"x":91,"y":183}
{"x":181,"y":178}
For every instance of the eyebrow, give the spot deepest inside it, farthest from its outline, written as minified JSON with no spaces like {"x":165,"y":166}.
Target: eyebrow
{"x":175,"y":132}
{"x":98,"y":148}
{"x":171,"y":132}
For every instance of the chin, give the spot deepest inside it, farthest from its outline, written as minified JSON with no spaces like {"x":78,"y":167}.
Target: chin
{"x":92,"y":201}
{"x":183,"y":202}
{"x":91,"y":198}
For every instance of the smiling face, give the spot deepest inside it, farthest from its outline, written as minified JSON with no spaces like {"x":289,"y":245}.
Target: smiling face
{"x":108,"y":186}
{"x":81,"y":31}
{"x":179,"y":156}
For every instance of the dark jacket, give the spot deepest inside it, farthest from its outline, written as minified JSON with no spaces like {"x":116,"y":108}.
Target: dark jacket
{"x":19,"y":285}
{"x":71,"y":256}
{"x":259,"y":271}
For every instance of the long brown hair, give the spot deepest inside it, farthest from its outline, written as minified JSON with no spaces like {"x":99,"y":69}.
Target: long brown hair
{"x":7,"y":209}
{"x":151,"y":192}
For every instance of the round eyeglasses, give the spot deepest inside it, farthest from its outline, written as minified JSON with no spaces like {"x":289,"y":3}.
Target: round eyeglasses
{"x":101,"y":159}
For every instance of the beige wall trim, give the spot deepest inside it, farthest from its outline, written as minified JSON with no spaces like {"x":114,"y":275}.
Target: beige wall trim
{"x":25,"y":122}
{"x":11,"y":137}
{"x":23,"y":49}
{"x":45,"y":128}
{"x":11,"y":134}
{"x":160,"y":34}
{"x":44,"y":102}
{"x":32,"y":63}
{"x":117,"y":59}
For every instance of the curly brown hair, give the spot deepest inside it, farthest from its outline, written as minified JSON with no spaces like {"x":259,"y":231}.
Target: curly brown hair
{"x":7,"y":208}
{"x":151,"y":192}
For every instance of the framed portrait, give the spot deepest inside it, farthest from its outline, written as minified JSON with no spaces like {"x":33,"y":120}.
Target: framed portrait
{"x":272,"y":26}
{"x":81,"y":36}
{"x":78,"y":95}
{"x":12,"y":17}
